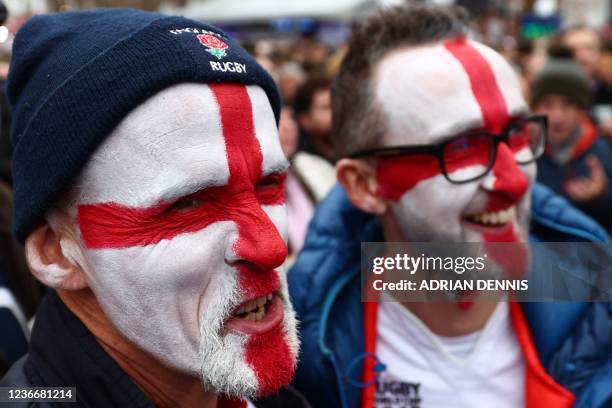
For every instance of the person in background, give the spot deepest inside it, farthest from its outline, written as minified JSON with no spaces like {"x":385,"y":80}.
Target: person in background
{"x":291,"y":77}
{"x":19,"y":292}
{"x":13,"y":279}
{"x":300,"y":202}
{"x":313,"y":112}
{"x":418,"y":114}
{"x":586,"y":44}
{"x":312,"y":173}
{"x":603,"y":112}
{"x":578,"y":162}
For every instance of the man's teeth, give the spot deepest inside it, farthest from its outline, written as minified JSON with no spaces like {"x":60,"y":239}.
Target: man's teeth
{"x":494,"y":218}
{"x":254,"y":310}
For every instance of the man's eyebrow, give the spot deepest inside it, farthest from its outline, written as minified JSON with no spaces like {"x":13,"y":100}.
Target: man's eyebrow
{"x":458,"y":129}
{"x":475,"y":125}
{"x":193,"y":186}
{"x":278,"y":167}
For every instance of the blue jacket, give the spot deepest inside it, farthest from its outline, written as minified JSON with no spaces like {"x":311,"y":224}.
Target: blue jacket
{"x":324,"y":285}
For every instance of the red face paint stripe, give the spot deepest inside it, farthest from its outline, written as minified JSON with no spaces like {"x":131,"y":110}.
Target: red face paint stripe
{"x":509,"y":178}
{"x":269,"y":355}
{"x":483,"y":82}
{"x":112,"y":225}
{"x":398,"y":174}
{"x":242,"y":148}
{"x":255,"y":285}
{"x":259,"y":241}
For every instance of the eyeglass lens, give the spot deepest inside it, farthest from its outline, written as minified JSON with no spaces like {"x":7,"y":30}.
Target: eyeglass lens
{"x":471,"y":156}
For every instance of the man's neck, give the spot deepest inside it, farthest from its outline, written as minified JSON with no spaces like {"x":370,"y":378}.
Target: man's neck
{"x":444,"y":318}
{"x":164,"y":386}
{"x":448,"y":320}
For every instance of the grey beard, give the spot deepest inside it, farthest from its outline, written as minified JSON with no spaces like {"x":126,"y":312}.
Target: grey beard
{"x":223,"y":366}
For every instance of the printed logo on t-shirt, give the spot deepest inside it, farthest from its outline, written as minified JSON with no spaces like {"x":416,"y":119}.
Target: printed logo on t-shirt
{"x":397,"y":394}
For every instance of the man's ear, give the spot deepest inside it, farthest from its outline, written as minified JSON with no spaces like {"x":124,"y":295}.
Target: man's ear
{"x":359,"y":181}
{"x":49,"y":258}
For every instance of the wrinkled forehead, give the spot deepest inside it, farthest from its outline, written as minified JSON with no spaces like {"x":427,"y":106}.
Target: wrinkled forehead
{"x":437,"y":90}
{"x":174,"y":144}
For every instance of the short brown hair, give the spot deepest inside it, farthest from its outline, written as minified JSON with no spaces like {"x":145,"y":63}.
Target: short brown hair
{"x":357,"y":121}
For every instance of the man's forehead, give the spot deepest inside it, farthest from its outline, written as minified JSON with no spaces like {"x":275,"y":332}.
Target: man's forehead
{"x":173,"y":144}
{"x":429,"y":92}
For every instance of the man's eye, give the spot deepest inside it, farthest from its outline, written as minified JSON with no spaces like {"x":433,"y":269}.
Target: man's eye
{"x":271,"y":190}
{"x":272,"y":181}
{"x":185,"y":204}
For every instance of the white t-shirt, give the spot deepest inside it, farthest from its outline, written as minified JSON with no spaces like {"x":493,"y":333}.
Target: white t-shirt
{"x":424,"y":370}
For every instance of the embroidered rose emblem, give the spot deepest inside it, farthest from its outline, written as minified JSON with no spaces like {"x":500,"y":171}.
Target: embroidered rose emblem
{"x":213,"y":45}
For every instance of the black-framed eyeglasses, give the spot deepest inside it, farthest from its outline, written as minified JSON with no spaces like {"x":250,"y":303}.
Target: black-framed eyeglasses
{"x":526,"y":137}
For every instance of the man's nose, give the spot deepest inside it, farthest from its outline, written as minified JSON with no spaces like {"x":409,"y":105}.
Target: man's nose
{"x":259,"y":243}
{"x":506,"y":176}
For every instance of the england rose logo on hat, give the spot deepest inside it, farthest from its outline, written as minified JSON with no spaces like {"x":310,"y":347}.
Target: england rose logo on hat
{"x":213,"y":45}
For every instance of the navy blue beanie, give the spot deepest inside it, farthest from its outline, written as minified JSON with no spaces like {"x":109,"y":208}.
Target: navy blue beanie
{"x":75,"y":75}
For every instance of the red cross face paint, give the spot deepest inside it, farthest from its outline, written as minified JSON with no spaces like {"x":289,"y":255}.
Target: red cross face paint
{"x":182,"y":224}
{"x":456,"y":86}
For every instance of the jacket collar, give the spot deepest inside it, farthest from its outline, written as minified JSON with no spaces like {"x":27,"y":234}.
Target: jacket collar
{"x":64,"y":353}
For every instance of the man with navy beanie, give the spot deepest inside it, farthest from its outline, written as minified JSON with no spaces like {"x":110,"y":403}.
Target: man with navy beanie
{"x":148,"y":194}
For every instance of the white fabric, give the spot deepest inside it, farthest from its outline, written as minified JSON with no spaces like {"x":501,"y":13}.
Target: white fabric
{"x":482,"y":369}
{"x":316,"y":173}
{"x":299,"y":210}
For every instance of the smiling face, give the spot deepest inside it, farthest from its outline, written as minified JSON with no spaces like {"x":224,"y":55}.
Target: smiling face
{"x":432,"y":92}
{"x":183,"y":235}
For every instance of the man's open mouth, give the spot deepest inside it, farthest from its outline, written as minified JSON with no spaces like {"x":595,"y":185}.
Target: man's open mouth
{"x":494,"y":218}
{"x":257,"y":315}
{"x":254,"y":310}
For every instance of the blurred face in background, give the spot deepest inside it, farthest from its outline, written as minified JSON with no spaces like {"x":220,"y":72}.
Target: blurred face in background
{"x":318,"y":119}
{"x":563,"y":116}
{"x":290,"y":78}
{"x":586,"y":46}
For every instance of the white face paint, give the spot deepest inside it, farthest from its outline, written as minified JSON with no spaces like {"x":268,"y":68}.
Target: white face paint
{"x":429,"y":94}
{"x":182,"y":223}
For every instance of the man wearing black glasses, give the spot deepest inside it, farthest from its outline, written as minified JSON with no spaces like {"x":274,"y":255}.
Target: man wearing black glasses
{"x":437,"y":145}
